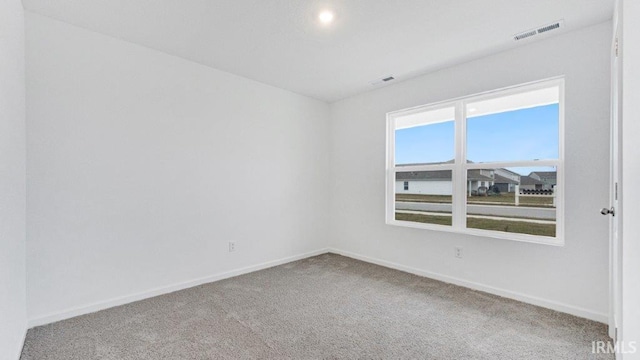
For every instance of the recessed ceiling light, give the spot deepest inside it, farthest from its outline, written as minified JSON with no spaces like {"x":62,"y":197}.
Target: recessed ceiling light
{"x":473,"y":109}
{"x":326,"y":17}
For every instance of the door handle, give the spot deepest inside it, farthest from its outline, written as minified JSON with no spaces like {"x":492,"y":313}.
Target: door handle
{"x":606,"y":211}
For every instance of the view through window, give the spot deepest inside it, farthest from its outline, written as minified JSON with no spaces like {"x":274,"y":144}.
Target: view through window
{"x":486,"y":163}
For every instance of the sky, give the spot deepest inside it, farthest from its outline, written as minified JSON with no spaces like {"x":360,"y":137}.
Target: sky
{"x":525,"y":134}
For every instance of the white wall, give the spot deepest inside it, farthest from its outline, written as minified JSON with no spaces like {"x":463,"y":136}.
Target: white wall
{"x":143,"y":166}
{"x":573,"y":278}
{"x":12,"y":180}
{"x":630,"y":211}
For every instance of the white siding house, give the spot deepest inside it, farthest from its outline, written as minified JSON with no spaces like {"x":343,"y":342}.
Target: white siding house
{"x":506,"y":180}
{"x":438,"y":182}
{"x":548,"y":178}
{"x":435,"y":187}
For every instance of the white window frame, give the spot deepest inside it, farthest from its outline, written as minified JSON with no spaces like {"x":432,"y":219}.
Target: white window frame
{"x":459,"y":168}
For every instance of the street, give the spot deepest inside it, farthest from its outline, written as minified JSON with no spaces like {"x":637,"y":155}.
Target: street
{"x":495,"y":210}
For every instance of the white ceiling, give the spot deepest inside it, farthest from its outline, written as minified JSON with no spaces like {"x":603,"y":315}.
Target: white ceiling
{"x":281,"y":43}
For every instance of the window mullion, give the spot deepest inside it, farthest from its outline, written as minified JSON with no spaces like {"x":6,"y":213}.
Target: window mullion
{"x":460,"y":175}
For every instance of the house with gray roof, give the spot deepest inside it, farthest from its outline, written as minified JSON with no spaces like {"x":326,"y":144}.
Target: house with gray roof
{"x":439,"y":182}
{"x":547,"y":178}
{"x":506,"y":180}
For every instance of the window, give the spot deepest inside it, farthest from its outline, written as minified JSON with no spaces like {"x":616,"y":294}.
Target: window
{"x":488,"y":164}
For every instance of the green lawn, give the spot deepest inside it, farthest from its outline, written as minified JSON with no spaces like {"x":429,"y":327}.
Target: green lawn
{"x":444,"y":199}
{"x":520,"y":227}
{"x":429,"y":219}
{"x":507,"y":199}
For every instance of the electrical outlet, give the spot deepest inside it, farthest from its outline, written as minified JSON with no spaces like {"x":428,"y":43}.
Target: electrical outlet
{"x":232,"y":246}
{"x":458,"y":252}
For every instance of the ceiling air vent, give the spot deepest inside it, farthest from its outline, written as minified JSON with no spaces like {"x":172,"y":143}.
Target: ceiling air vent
{"x":383,"y":80}
{"x":540,"y":30}
{"x":525,"y":35}
{"x":549,"y":28}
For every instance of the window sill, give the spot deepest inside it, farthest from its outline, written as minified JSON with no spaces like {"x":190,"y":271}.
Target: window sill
{"x":544,"y":240}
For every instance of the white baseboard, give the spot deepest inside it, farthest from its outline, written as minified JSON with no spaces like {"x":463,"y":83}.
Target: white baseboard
{"x":549,"y":304}
{"x":102,"y":305}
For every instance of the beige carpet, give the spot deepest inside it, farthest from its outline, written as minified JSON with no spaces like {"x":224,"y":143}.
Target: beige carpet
{"x":325,"y":307}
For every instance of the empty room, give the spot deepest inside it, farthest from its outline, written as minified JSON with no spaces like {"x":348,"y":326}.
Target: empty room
{"x":319,"y":179}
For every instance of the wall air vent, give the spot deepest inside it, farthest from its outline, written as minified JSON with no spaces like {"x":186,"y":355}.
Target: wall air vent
{"x":540,"y":30}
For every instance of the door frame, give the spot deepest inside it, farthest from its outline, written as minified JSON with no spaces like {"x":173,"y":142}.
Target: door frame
{"x":615,"y":246}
